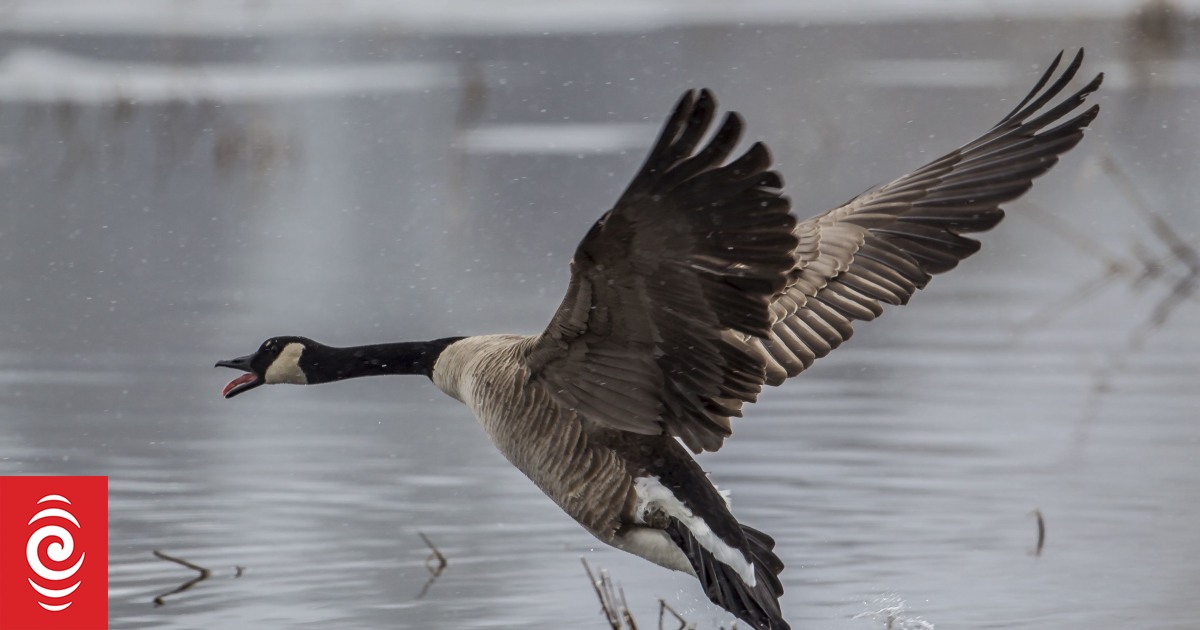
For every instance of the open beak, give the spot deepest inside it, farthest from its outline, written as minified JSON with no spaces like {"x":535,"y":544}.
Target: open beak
{"x":243,"y":383}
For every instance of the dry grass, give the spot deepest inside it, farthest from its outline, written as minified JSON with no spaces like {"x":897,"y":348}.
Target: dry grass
{"x":435,"y":563}
{"x":1166,"y":271}
{"x":615,"y":608}
{"x":203,"y":573}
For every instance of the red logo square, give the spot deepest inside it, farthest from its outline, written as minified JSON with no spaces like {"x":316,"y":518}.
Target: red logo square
{"x":53,"y":553}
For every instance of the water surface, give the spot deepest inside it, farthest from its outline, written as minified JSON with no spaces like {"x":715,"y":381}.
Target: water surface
{"x":174,"y":199}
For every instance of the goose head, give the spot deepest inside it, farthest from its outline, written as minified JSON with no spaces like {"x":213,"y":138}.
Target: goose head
{"x":277,"y":360}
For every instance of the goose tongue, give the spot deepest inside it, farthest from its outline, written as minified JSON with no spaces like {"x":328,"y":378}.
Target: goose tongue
{"x":238,"y":382}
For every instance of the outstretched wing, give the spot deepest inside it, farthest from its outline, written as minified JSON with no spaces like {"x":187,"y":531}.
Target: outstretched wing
{"x":663,"y":287}
{"x":698,"y":286}
{"x":884,"y":245}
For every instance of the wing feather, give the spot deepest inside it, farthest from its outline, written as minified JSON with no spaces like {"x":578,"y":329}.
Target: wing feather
{"x":882,"y":246}
{"x":693,"y":252}
{"x":699,"y":286}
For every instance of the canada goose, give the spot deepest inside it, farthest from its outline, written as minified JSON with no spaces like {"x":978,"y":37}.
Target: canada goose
{"x":688,"y":296}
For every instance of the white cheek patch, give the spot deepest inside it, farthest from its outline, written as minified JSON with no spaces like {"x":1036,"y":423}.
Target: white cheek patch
{"x":652,"y":494}
{"x":286,"y":367}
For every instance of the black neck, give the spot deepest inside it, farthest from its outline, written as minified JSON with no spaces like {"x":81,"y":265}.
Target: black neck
{"x":322,"y":364}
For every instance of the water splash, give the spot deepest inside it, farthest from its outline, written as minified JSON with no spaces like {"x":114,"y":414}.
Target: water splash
{"x":892,"y":611}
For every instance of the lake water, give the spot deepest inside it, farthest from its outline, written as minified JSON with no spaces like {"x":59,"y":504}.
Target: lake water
{"x":177,"y":191}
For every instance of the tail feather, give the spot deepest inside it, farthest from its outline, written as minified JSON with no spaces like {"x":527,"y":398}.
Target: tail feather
{"x":762,"y":553}
{"x":757,"y":605}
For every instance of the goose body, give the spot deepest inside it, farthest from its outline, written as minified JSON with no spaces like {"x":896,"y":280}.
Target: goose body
{"x":696,"y":289}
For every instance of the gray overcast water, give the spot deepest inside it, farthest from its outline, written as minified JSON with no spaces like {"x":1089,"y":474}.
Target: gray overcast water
{"x":171,"y":200}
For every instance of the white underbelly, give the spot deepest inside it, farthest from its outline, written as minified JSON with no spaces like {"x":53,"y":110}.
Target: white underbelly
{"x":654,"y":545}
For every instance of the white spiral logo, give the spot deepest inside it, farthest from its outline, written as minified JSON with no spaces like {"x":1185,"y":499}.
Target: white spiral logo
{"x":59,"y":551}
